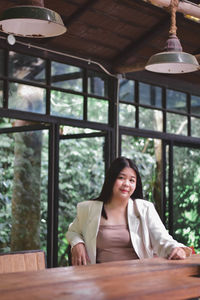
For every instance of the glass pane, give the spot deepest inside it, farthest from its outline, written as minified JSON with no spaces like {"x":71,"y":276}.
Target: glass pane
{"x":150,"y":119}
{"x":176,"y":124}
{"x":1,"y":93}
{"x":97,"y":110}
{"x":27,"y":98}
{"x":66,"y":105}
{"x":150,"y":95}
{"x":176,"y":100}
{"x":195,"y":105}
{"x":23,"y":190}
{"x":2,"y":60}
{"x":26,"y":67}
{"x":126,"y":115}
{"x":186,"y":194}
{"x":195,"y":127}
{"x":81,"y":175}
{"x":127,"y":90}
{"x":147,"y":154}
{"x":66,"y":76}
{"x":97,"y":84}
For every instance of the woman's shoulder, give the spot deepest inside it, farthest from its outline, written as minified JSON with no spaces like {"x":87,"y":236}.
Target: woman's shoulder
{"x":143,"y":203}
{"x":89,"y":203}
{"x":88,"y":208}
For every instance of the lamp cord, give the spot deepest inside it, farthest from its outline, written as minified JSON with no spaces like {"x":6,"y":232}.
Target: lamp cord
{"x":173,"y":8}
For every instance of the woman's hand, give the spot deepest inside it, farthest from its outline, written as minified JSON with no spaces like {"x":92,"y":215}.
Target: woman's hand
{"x":177,"y":253}
{"x":79,"y":255}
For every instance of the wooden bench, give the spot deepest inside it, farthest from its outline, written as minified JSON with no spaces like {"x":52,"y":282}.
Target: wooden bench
{"x":30,"y":260}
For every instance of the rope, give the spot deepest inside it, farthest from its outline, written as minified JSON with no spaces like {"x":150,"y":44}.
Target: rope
{"x":173,"y":8}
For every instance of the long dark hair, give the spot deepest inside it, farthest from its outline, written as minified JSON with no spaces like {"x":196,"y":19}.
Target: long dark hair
{"x":115,"y":168}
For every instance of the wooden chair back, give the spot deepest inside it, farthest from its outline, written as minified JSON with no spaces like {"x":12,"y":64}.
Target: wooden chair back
{"x":30,"y":260}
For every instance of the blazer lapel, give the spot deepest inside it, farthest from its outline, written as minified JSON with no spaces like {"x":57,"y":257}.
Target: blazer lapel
{"x":94,"y":218}
{"x":133,"y":217}
{"x":93,"y":228}
{"x":134,"y":223}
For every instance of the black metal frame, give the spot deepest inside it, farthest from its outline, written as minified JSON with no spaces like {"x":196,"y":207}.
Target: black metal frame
{"x":110,"y":130}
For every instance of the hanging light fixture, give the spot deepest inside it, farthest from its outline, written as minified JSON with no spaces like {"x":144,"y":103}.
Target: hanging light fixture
{"x":172,"y":60}
{"x":32,"y":21}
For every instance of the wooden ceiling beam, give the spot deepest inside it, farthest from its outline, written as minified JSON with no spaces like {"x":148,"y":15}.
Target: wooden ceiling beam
{"x":135,"y":46}
{"x":137,"y":5}
{"x":78,"y":13}
{"x":184,"y":7}
{"x":131,"y":68}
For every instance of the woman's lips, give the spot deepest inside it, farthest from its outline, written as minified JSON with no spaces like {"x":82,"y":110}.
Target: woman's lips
{"x":124,"y":191}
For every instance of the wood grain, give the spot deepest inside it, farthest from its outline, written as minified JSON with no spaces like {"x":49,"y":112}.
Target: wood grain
{"x":155,"y":278}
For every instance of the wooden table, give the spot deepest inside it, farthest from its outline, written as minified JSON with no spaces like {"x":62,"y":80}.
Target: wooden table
{"x":155,"y":278}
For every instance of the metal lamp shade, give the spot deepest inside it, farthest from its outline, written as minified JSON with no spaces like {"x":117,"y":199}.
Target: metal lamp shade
{"x":31,"y":22}
{"x":172,"y":62}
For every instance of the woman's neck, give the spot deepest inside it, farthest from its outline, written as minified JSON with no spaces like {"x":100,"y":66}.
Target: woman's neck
{"x":116,"y":213}
{"x":117,"y":203}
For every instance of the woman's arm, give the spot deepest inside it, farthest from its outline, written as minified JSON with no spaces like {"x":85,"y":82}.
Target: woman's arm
{"x":162,"y":243}
{"x":75,"y":238}
{"x":74,"y":233}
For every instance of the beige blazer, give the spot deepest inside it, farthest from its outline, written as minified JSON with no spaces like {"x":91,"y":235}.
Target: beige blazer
{"x":148,"y":234}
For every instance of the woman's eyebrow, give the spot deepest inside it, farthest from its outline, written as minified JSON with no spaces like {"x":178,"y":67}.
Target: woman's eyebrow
{"x":132,"y":176}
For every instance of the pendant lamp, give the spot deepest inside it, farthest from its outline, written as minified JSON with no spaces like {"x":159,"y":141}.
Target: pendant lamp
{"x":32,"y":21}
{"x":172,"y":60}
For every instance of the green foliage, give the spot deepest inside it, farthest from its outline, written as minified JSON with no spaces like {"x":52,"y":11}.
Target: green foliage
{"x":66,"y":105}
{"x":81,"y":174}
{"x":6,"y":175}
{"x":186,"y":196}
{"x":6,"y":188}
{"x":141,"y":150}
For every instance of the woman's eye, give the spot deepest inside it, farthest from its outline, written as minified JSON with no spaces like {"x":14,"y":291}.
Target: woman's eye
{"x":132,"y":181}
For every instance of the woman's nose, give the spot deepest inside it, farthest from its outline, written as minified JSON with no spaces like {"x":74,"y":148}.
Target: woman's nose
{"x":126,"y":182}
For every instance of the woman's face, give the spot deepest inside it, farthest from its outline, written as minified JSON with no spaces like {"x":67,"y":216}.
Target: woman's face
{"x":125,"y":184}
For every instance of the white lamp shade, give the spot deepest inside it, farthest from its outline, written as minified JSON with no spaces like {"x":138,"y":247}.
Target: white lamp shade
{"x":172,"y":62}
{"x":32,"y":22}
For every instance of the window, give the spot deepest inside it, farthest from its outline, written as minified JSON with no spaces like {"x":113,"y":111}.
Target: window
{"x":27,"y":98}
{"x":150,"y":119}
{"x":126,"y":115}
{"x":97,"y":84}
{"x":127,"y":90}
{"x":26,"y":67}
{"x":66,"y":105}
{"x":97,"y":110}
{"x":150,"y":95}
{"x":66,"y":76}
{"x":195,"y":105}
{"x":176,"y":100}
{"x":177,"y":124}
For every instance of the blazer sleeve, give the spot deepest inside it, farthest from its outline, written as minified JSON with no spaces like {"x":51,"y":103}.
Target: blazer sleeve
{"x":74,"y":234}
{"x":162,"y":242}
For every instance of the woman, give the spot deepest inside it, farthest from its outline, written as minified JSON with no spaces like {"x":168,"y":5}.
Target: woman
{"x":119,"y":224}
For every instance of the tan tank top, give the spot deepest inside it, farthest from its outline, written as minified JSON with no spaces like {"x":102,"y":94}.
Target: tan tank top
{"x":114,"y":244}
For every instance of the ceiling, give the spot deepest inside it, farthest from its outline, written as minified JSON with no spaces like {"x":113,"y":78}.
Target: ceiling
{"x":119,"y":34}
